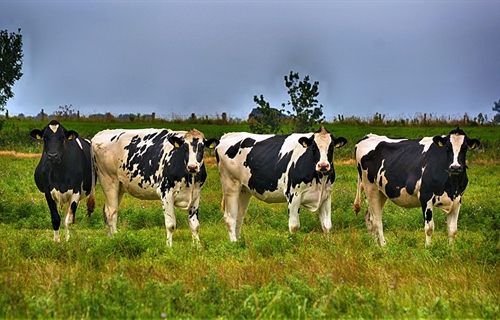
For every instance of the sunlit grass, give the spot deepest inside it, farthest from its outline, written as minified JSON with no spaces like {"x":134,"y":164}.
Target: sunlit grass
{"x":267,"y":273}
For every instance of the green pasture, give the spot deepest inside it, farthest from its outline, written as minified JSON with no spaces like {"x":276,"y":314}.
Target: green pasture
{"x":14,"y":134}
{"x":268,"y":273}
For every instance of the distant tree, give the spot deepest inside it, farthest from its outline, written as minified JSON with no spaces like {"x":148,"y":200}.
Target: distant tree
{"x":268,"y":120}
{"x":306,"y":112}
{"x":65,"y":112}
{"x":496,"y":108}
{"x":11,"y":64}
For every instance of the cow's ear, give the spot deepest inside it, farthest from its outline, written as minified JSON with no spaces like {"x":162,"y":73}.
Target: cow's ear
{"x":305,"y":141}
{"x":212,"y":143}
{"x":473,"y":143}
{"x":37,"y":134}
{"x":340,"y":142}
{"x":71,"y":134}
{"x":439,"y":140}
{"x":176,"y":141}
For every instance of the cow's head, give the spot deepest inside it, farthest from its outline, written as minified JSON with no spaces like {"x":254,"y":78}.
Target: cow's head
{"x":322,"y":144}
{"x":456,"y":144}
{"x":54,"y":137}
{"x":194,"y":144}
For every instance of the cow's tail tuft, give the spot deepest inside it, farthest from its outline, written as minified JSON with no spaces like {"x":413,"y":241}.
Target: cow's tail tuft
{"x":91,"y":198}
{"x":357,"y":205}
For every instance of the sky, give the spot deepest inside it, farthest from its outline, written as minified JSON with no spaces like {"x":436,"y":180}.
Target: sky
{"x":174,"y":58}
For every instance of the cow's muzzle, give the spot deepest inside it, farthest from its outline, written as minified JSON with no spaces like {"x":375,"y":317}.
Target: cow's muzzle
{"x":323,"y":168}
{"x":53,"y":157}
{"x":193,"y":168}
{"x":454,"y":170}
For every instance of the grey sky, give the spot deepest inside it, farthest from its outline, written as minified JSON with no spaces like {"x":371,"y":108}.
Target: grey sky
{"x":208,"y":57}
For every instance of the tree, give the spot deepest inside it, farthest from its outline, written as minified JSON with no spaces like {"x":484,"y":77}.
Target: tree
{"x":496,"y":108}
{"x":304,"y":103}
{"x":306,"y":112}
{"x":268,"y":120}
{"x":11,"y":64}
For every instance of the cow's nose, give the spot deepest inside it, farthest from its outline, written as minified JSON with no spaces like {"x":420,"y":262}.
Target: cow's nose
{"x":192,"y":168}
{"x":323,"y":167}
{"x":454,"y":169}
{"x":53,"y":156}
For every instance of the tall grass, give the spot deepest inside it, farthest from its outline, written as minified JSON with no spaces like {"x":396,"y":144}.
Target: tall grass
{"x":268,"y":273}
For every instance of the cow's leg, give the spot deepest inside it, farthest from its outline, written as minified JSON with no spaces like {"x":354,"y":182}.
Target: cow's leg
{"x":373,"y":217}
{"x":427,"y":209}
{"x":325,"y":214}
{"x":231,"y":194}
{"x":113,"y":196}
{"x":244,"y":201}
{"x":168,"y":210}
{"x":70,"y":213}
{"x":54,"y":215}
{"x":293,"y":213}
{"x":452,"y":220}
{"x":194,"y":224}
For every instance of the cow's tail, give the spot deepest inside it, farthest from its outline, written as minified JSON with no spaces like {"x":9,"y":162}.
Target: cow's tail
{"x":223,"y":204}
{"x":357,"y":205}
{"x":91,"y":198}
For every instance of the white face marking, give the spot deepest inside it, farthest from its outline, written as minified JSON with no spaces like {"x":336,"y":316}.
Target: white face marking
{"x":54,"y":127}
{"x":456,"y":141}
{"x":323,"y":140}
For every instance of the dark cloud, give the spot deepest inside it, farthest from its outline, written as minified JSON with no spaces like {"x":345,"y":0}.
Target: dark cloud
{"x":396,"y":58}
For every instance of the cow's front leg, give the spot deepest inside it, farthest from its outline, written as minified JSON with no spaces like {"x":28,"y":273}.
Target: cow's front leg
{"x":70,"y":213}
{"x":428,"y":221}
{"x":325,"y":215}
{"x":452,"y":220}
{"x":293,"y":213}
{"x":168,"y":210}
{"x":194,"y":223}
{"x":54,"y":215}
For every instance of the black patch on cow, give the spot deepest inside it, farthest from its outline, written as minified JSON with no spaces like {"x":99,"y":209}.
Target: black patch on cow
{"x":428,"y":215}
{"x":233,"y":150}
{"x":265,"y":163}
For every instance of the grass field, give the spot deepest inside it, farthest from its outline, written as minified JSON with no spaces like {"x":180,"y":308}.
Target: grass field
{"x":268,"y":273}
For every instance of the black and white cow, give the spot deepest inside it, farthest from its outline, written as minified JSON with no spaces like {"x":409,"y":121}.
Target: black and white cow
{"x":64,"y":173}
{"x":294,"y":168}
{"x":427,"y":173}
{"x":152,"y":164}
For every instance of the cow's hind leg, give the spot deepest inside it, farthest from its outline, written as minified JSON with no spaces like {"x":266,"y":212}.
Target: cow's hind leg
{"x":110,"y":210}
{"x":231,"y":193}
{"x":373,"y":216}
{"x":244,"y":201}
{"x":54,"y":215}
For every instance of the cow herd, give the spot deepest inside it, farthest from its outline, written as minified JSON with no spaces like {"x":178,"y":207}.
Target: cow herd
{"x":296,"y":169}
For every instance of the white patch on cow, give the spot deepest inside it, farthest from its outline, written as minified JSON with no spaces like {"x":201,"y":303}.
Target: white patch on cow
{"x":426,"y":142}
{"x":370,"y":143}
{"x":456,"y":141}
{"x":79,"y":143}
{"x":54,"y":127}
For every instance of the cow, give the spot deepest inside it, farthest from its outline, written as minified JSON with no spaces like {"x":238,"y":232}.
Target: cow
{"x":152,"y":164}
{"x":293,"y":168}
{"x":427,"y":173}
{"x":64,"y":174}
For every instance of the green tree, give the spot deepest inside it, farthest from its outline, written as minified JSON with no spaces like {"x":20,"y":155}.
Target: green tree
{"x":306,"y":112}
{"x":11,"y":64}
{"x":268,"y":121}
{"x":496,"y":108}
